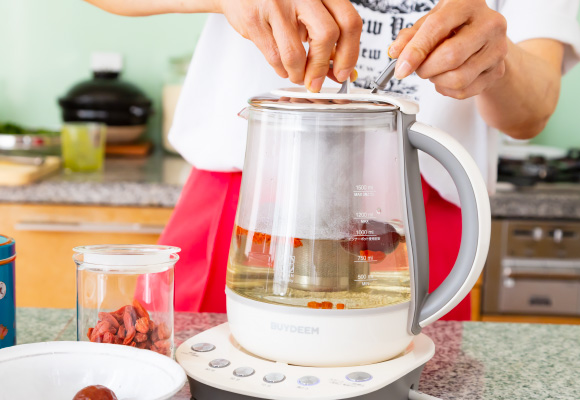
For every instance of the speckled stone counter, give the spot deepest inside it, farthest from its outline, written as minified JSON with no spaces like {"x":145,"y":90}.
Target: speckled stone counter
{"x":557,"y":201}
{"x":473,"y":360}
{"x":155,"y":181}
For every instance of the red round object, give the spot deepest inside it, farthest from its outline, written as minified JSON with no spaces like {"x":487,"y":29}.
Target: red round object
{"x":95,"y":392}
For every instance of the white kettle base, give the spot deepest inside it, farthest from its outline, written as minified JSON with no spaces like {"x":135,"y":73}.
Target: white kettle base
{"x":219,"y":369}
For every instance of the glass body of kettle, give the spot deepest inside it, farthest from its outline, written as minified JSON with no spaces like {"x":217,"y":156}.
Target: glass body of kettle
{"x":320,"y":220}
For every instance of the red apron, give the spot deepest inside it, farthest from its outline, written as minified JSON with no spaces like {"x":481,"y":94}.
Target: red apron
{"x":202,"y":226}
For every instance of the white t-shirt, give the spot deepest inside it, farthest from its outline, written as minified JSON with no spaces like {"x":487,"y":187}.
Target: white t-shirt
{"x":227,"y":69}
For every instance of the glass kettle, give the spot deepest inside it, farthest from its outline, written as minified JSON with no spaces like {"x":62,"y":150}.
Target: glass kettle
{"x":329,"y":261}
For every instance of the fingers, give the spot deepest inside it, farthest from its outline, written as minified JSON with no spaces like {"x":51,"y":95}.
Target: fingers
{"x":434,"y":29}
{"x":452,"y":53}
{"x":404,"y":37}
{"x":347,"y":48}
{"x":264,"y":39}
{"x":323,"y":33}
{"x":292,"y":53}
{"x":476,"y":86}
{"x":353,"y":75}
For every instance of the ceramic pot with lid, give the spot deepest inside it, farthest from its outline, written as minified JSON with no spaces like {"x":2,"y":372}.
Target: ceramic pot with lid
{"x":105,"y":98}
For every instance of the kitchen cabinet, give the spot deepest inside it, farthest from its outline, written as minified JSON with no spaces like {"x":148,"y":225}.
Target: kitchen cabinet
{"x":46,"y":234}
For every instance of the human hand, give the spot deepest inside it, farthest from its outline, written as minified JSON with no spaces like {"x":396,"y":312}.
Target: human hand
{"x":279,"y":27}
{"x":460,"y":46}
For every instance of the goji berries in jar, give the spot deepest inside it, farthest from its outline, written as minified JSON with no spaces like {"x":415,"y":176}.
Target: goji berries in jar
{"x":125,"y":295}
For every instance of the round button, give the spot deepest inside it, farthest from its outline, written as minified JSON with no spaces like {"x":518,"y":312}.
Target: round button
{"x":308,"y":380}
{"x":359,"y":376}
{"x":219,"y":363}
{"x":244,"y":372}
{"x":203,"y":347}
{"x":274,"y":377}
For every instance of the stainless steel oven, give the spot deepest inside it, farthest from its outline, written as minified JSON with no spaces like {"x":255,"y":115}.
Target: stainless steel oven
{"x":533,"y":268}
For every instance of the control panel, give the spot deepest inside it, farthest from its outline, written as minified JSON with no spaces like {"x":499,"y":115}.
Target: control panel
{"x":215,"y":359}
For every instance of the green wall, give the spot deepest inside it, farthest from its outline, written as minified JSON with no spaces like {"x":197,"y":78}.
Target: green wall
{"x":563,"y":129}
{"x":46,"y":45}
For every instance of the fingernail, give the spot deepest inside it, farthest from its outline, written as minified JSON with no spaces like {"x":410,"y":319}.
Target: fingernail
{"x":391,"y":50}
{"x":403,"y":69}
{"x":315,"y":84}
{"x":354,"y":75}
{"x":342,"y":75}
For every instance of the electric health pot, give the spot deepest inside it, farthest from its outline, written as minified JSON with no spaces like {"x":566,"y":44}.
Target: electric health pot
{"x":329,"y":262}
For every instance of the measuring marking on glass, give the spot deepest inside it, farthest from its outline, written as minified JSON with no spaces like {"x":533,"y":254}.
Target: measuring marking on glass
{"x":363,"y":191}
{"x":365,"y":279}
{"x":365,"y":259}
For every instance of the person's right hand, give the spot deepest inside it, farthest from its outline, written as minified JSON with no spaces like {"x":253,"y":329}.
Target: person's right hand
{"x":278,"y":28}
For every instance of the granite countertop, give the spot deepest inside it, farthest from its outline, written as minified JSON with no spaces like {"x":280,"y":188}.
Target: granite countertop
{"x":557,"y":201}
{"x":473,"y":360}
{"x":155,"y":181}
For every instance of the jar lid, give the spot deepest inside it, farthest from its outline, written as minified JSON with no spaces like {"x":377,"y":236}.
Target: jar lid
{"x":328,"y":100}
{"x":7,"y":248}
{"x":126,"y":258}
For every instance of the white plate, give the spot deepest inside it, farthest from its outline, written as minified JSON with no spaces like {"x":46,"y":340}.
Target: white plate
{"x":58,"y":370}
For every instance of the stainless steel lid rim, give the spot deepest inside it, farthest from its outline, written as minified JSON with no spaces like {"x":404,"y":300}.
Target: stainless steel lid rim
{"x":286,"y":309}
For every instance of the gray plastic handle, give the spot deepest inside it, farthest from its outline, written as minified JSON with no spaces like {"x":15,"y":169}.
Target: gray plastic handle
{"x":476,"y":223}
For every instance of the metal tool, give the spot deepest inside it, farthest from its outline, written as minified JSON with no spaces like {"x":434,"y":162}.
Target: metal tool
{"x":383,"y":80}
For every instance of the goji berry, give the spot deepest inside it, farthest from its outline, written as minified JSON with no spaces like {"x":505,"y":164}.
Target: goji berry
{"x":142,"y":325}
{"x":163,"y":331}
{"x":104,"y":316}
{"x":141,"y":311}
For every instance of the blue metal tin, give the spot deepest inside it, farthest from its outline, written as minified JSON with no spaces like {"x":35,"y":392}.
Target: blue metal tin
{"x":7,"y":297}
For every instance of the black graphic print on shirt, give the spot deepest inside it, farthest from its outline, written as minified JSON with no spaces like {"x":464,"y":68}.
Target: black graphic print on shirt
{"x":397,"y":6}
{"x":382,"y":22}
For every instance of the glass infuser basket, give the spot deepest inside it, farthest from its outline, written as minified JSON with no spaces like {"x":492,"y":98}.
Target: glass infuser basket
{"x":328,"y":262}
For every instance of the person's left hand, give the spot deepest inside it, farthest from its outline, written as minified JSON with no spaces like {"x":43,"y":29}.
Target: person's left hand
{"x":460,"y":46}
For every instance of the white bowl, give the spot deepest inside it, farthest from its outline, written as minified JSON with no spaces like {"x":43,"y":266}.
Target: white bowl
{"x":58,"y":370}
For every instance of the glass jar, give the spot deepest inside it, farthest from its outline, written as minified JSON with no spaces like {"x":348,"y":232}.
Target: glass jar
{"x":125,"y":295}
{"x":172,"y":86}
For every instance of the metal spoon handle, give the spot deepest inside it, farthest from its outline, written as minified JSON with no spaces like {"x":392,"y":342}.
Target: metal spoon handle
{"x":384,"y":78}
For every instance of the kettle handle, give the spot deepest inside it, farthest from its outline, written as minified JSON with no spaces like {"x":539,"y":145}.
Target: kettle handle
{"x":476,"y":223}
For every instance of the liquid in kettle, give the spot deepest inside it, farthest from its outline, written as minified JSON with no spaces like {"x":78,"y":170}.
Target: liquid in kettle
{"x":368,"y":268}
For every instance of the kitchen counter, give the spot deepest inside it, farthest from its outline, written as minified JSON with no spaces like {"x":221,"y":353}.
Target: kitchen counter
{"x":547,"y":201}
{"x":473,"y":360}
{"x":155,"y":181}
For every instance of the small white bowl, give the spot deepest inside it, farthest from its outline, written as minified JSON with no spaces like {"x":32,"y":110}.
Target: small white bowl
{"x":58,"y":370}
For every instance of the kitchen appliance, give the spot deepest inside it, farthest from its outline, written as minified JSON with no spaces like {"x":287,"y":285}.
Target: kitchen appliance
{"x":218,"y":368}
{"x":330,"y":240}
{"x":540,"y":168}
{"x":7,"y":296}
{"x":122,"y":106}
{"x":533,"y":268}
{"x":328,"y":266}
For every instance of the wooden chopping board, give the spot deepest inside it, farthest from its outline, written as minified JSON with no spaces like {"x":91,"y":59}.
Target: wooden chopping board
{"x":12,"y":174}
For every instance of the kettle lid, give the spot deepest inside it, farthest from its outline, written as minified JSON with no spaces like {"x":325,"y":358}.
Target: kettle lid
{"x":357,"y":100}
